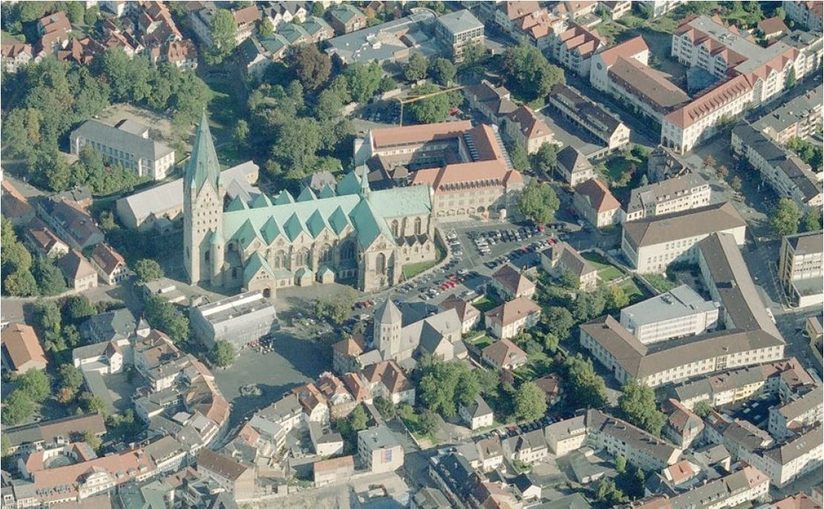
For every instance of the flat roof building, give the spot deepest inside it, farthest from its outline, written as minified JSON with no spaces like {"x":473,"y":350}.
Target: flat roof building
{"x":459,"y":30}
{"x":677,"y":313}
{"x":239,"y":319}
{"x":800,"y":268}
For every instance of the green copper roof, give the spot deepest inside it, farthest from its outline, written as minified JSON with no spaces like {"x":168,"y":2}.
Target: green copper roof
{"x":326,"y":192}
{"x":203,"y":165}
{"x":255,"y":264}
{"x":349,"y":184}
{"x":367,"y":224}
{"x":261,"y":201}
{"x":338,"y":220}
{"x":236,"y":204}
{"x":316,"y":224}
{"x":246,"y":235}
{"x":283,"y":198}
{"x":307,"y":195}
{"x":401,"y":201}
{"x":293,"y":227}
{"x":270,"y":231}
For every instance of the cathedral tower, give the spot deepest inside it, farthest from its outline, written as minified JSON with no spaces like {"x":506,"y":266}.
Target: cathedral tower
{"x":387,"y":329}
{"x":203,"y":194}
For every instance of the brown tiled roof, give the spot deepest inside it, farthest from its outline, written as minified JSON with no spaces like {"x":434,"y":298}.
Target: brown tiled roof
{"x":389,"y":374}
{"x":389,"y":136}
{"x":709,"y":102}
{"x":22,"y":345}
{"x":464,"y":309}
{"x":177,"y":51}
{"x":247,"y":15}
{"x":512,"y":280}
{"x":512,"y":311}
{"x":681,"y":471}
{"x":504,"y":352}
{"x":334,"y":464}
{"x":42,"y":235}
{"x":681,"y":225}
{"x":515,"y":10}
{"x":74,"y":266}
{"x":220,"y":464}
{"x":107,"y":258}
{"x":772,"y":25}
{"x":799,"y":501}
{"x":348,"y":347}
{"x":14,"y":204}
{"x":531,"y":125}
{"x":652,"y":85}
{"x":12,"y":49}
{"x":626,"y":49}
{"x":355,"y":386}
{"x":598,"y":195}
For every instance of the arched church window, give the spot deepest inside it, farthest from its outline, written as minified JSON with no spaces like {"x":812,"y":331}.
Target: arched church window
{"x":380,"y":263}
{"x":418,"y":225}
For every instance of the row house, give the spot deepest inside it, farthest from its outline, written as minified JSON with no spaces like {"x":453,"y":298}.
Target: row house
{"x":284,"y":12}
{"x":39,"y":236}
{"x":805,"y":12}
{"x":54,"y":30}
{"x":668,"y":196}
{"x":590,"y":116}
{"x":506,"y":15}
{"x":574,"y":48}
{"x":787,"y":174}
{"x":799,"y":117}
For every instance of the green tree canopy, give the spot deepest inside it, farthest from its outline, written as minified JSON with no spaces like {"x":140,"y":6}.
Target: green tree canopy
{"x":17,"y":408}
{"x":445,"y":385}
{"x":559,"y":321}
{"x":35,"y":384}
{"x":147,"y":270}
{"x":311,"y":67}
{"x":363,"y":80}
{"x":545,"y":159}
{"x":538,"y":202}
{"x":432,"y":109}
{"x":702,"y":408}
{"x":585,"y":387}
{"x":222,"y":31}
{"x":442,"y":71}
{"x":530,"y":402}
{"x":415,"y":69}
{"x":49,"y":278}
{"x":528,"y":73}
{"x":811,"y":221}
{"x":785,"y":217}
{"x":358,"y":419}
{"x":637,"y":405}
{"x":223,"y":353}
{"x":336,"y":308}
{"x":165,"y":317}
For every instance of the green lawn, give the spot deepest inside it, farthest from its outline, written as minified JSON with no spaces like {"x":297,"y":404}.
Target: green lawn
{"x":481,"y":341}
{"x":484,"y":304}
{"x":413,"y":269}
{"x":661,"y":283}
{"x":632,"y":290}
{"x":606,"y":271}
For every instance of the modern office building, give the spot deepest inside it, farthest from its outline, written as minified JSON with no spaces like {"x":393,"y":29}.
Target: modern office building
{"x":677,"y":313}
{"x":379,"y":450}
{"x":800,"y":268}
{"x":127,"y":143}
{"x":239,"y":319}
{"x":459,"y":30}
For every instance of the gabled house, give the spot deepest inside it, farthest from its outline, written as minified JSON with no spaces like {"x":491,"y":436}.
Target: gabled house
{"x":595,"y":203}
{"x":110,"y":265}
{"x":527,"y":448}
{"x":573,"y":166}
{"x":561,"y":259}
{"x":79,"y":273}
{"x":504,"y":354}
{"x":477,"y":414}
{"x":510,"y":318}
{"x":512,"y":284}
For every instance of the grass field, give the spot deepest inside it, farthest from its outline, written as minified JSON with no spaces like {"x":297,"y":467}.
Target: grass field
{"x":661,"y":283}
{"x":482,"y":341}
{"x":484,"y":304}
{"x":606,"y":271}
{"x":413,"y":269}
{"x":632,"y":290}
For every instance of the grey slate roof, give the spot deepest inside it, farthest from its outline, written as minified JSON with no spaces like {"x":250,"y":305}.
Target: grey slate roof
{"x":124,"y":138}
{"x":806,"y":243}
{"x":459,"y":22}
{"x":665,"y":190}
{"x":683,"y":225}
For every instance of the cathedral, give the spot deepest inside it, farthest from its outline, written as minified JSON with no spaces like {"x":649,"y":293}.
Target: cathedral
{"x":345,"y":233}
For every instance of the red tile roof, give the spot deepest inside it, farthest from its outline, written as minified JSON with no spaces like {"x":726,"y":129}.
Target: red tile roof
{"x":627,"y":49}
{"x":598,"y":194}
{"x":22,"y":346}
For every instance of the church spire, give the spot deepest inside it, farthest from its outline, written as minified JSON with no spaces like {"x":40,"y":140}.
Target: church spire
{"x":203,"y":165}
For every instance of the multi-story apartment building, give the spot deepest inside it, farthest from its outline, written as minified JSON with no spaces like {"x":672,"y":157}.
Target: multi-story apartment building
{"x":750,"y":336}
{"x":743,"y":487}
{"x":668,"y":196}
{"x":635,"y":48}
{"x":660,"y":7}
{"x":639,"y":448}
{"x":653,"y":243}
{"x":786,"y":173}
{"x":749,"y":74}
{"x":589,"y":116}
{"x":677,"y":313}
{"x":379,"y":450}
{"x":805,"y":12}
{"x":799,"y":413}
{"x":574,"y":48}
{"x":459,"y":30}
{"x":126,"y":143}
{"x":720,"y":389}
{"x":510,"y":318}
{"x":797,"y":118}
{"x":566,"y":436}
{"x":800,"y":268}
{"x":784,"y":463}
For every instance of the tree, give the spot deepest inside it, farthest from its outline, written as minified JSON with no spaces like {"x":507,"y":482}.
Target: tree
{"x":551,"y":343}
{"x":586,"y":388}
{"x":222,"y":30}
{"x":518,"y":154}
{"x":20,"y":283}
{"x":709,"y":161}
{"x":92,"y":15}
{"x":163,"y":316}
{"x":71,"y":378}
{"x":385,"y":407}
{"x":363,"y":80}
{"x":442,"y":71}
{"x":358,"y":419}
{"x":530,"y":402}
{"x":616,"y":298}
{"x":609,"y":493}
{"x":265,"y":27}
{"x":335,"y":309}
{"x":620,"y":464}
{"x":77,"y":307}
{"x":545,"y":159}
{"x":47,"y":319}
{"x":538,"y":202}
{"x":790,"y":80}
{"x":488,"y":380}
{"x":785,"y":218}
{"x":48,"y":277}
{"x":93,"y":440}
{"x":317,"y":9}
{"x":638,"y":407}
{"x":736,"y":183}
{"x":92,"y":404}
{"x":5,"y":445}
{"x":223,"y":353}
{"x":311,"y":67}
{"x":432,"y":109}
{"x":812,"y":220}
{"x":328,"y":105}
{"x":559,"y":321}
{"x":75,"y":12}
{"x":387,"y":84}
{"x":148,"y":270}
{"x":529,"y":74}
{"x":17,"y":408}
{"x":444,"y":385}
{"x":723,"y":171}
{"x":427,"y":423}
{"x":415,"y":69}
{"x":702,"y":408}
{"x":35,"y":384}
{"x":241,"y":132}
